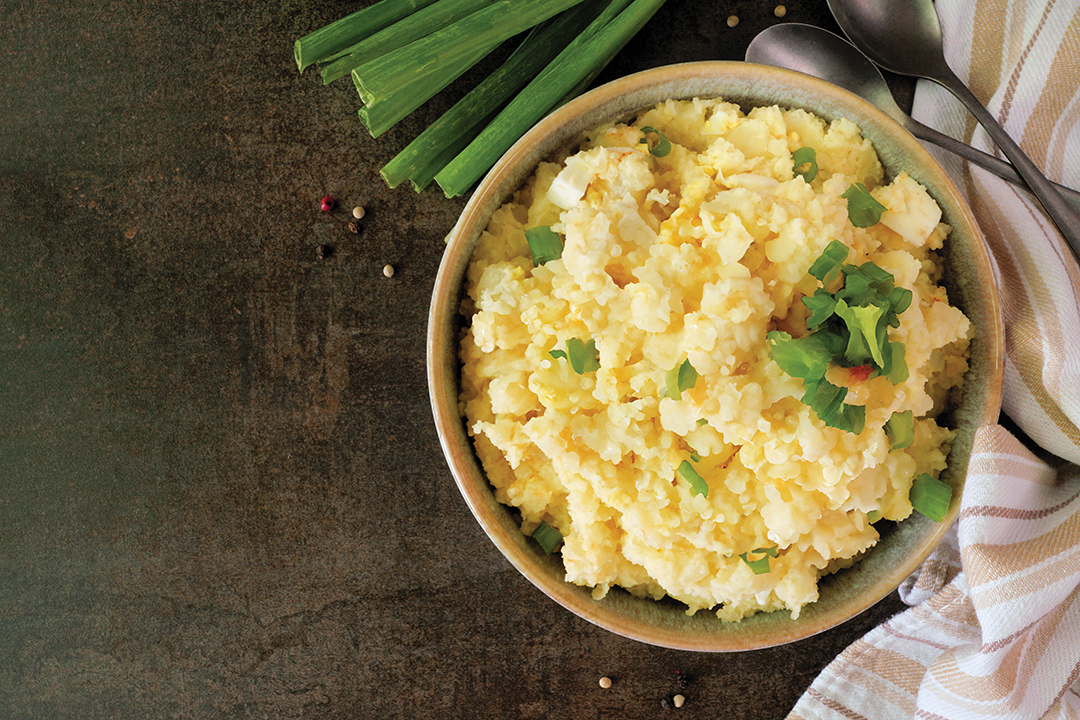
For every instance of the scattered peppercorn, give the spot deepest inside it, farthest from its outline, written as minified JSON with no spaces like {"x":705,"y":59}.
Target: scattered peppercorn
{"x":681,"y":680}
{"x":605,"y":682}
{"x":780,"y":11}
{"x":665,"y":703}
{"x":354,"y":228}
{"x":358,"y":212}
{"x":732,"y":20}
{"x":324,"y":251}
{"x":678,"y":700}
{"x":388,"y":270}
{"x":327,"y":204}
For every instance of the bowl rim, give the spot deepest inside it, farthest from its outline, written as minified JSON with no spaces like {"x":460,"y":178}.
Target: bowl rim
{"x":982,"y":402}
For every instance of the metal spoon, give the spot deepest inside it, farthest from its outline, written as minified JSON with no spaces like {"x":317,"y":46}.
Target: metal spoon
{"x":818,"y":52}
{"x":904,"y":36}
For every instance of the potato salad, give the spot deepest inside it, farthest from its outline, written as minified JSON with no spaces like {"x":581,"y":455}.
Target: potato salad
{"x":707,"y":351}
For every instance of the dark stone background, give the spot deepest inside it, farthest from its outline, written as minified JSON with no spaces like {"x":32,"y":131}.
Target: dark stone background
{"x":221,"y":491}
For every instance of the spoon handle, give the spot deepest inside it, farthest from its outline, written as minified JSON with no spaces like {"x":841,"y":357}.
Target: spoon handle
{"x":997,"y":166}
{"x":1064,"y":216}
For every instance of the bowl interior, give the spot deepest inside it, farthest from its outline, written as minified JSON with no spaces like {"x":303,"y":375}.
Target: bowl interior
{"x":970,"y":282}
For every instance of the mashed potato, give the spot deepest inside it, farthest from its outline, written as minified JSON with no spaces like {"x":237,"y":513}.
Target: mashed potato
{"x":695,"y":256}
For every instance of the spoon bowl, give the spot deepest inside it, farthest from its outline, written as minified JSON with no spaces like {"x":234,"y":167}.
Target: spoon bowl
{"x":902,"y":37}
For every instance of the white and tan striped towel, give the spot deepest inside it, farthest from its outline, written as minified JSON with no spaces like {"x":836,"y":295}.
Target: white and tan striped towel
{"x":994,"y":627}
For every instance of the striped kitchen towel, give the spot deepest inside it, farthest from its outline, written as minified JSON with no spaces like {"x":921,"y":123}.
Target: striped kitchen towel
{"x":994,"y":625}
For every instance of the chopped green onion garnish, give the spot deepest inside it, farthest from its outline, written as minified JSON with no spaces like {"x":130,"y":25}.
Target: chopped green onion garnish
{"x":804,"y":156}
{"x":873,"y":516}
{"x":849,"y":327}
{"x":900,"y":300}
{"x":583,"y":355}
{"x":863,"y":210}
{"x":547,"y":536}
{"x":556,"y":354}
{"x":827,"y":400}
{"x":544,"y":243}
{"x":680,"y":378}
{"x":828,"y":263}
{"x":822,"y":306}
{"x":760,"y":565}
{"x":698,"y":486}
{"x":662,"y":146}
{"x":896,"y":368}
{"x":807,"y":357}
{"x":931,"y":496}
{"x":866,"y":332}
{"x":900,"y":429}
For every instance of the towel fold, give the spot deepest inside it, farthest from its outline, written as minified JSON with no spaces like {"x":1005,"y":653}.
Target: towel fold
{"x":994,"y":625}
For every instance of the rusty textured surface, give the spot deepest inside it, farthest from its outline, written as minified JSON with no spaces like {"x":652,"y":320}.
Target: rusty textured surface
{"x":221,"y":492}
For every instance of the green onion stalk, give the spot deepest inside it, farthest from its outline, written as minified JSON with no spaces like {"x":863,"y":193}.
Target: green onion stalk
{"x":425,"y":21}
{"x":395,"y":84}
{"x":316,"y":47}
{"x":440,"y":142}
{"x":581,"y":60}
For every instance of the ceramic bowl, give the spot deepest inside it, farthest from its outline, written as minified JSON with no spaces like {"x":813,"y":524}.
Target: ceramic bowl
{"x":903,"y":546}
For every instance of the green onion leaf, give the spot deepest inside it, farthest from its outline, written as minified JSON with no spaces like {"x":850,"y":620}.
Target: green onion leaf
{"x":899,"y":300}
{"x":583,"y":355}
{"x":850,"y":327}
{"x":873,"y":516}
{"x":680,"y":378}
{"x":827,"y":401}
{"x":544,"y":243}
{"x":931,"y":496}
{"x":895,"y":367}
{"x":864,"y":323}
{"x":867,"y":284}
{"x":805,"y":156}
{"x":662,"y":146}
{"x":900,"y":429}
{"x":548,"y":537}
{"x":822,"y":306}
{"x":687,"y":376}
{"x":863,"y":210}
{"x":828,"y":263}
{"x":760,"y":565}
{"x":698,"y":486}
{"x":556,"y":354}
{"x":807,"y":357}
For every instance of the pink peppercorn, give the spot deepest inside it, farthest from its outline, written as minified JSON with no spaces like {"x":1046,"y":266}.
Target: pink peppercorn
{"x":327,"y":204}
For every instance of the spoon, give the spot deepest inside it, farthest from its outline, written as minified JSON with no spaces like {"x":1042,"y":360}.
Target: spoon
{"x":904,"y":36}
{"x":818,"y":52}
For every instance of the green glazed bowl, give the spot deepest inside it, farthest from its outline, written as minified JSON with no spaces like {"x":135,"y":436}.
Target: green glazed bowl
{"x":971,"y":286}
